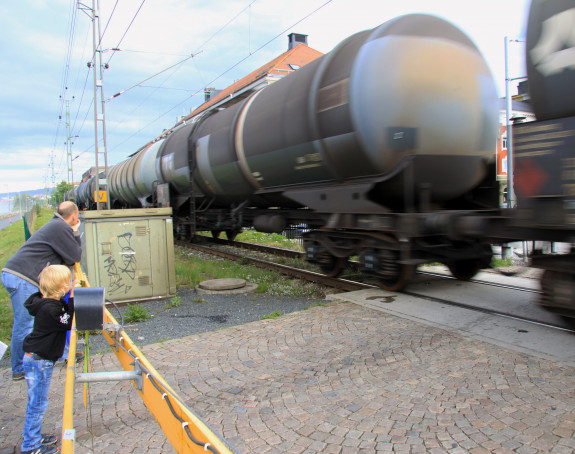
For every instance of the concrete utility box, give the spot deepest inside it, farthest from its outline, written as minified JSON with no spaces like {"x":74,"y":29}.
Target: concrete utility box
{"x":129,"y":252}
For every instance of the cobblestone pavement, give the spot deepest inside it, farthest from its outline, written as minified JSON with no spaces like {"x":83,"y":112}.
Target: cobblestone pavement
{"x":335,"y":379}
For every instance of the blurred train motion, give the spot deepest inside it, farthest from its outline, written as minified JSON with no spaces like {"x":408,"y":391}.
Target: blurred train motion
{"x":383,"y":149}
{"x":544,"y":150}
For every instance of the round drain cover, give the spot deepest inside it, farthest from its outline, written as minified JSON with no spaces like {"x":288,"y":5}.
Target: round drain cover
{"x":223,"y":284}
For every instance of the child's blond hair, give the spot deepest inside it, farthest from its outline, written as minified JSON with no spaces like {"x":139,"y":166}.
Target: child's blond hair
{"x":53,"y":278}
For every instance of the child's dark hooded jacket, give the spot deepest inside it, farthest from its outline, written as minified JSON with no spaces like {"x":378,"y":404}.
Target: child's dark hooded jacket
{"x":52,"y":318}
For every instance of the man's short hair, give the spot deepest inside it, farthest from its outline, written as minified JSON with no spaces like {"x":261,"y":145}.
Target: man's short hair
{"x":52,"y":279}
{"x":67,"y":209}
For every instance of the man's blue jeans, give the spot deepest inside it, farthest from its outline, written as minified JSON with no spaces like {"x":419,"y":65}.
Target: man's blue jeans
{"x":38,"y":377}
{"x":19,"y":290}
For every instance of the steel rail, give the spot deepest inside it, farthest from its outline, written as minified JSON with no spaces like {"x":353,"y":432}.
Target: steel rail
{"x":477,"y":281}
{"x":342,"y":284}
{"x":487,"y":311}
{"x":351,"y":264}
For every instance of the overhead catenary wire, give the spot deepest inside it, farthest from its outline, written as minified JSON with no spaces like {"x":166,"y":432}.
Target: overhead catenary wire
{"x":87,"y":70}
{"x":151,"y":77}
{"x":90,"y":64}
{"x":197,"y":51}
{"x":150,"y":52}
{"x":108,"y":23}
{"x":78,"y":126}
{"x":126,"y":32}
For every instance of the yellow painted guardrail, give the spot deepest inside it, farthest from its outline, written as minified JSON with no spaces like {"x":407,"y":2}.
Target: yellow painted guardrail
{"x":186,"y":431}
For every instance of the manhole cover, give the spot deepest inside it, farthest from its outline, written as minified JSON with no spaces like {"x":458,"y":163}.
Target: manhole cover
{"x":223,"y":284}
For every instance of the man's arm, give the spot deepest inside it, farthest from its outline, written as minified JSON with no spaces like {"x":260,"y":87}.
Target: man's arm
{"x":66,"y":242}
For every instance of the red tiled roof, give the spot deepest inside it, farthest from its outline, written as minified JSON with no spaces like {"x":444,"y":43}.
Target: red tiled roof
{"x":300,"y":55}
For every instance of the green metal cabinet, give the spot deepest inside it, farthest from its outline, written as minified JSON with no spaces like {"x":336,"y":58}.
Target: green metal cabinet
{"x":129,"y":252}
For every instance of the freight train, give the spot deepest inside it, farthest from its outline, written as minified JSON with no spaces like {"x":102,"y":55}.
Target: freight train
{"x":383,"y":148}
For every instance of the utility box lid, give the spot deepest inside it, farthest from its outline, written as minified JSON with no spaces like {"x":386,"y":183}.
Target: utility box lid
{"x":130,"y":253}
{"x":132,"y":213}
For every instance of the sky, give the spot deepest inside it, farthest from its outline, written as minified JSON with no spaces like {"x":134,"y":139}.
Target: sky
{"x":169,"y":51}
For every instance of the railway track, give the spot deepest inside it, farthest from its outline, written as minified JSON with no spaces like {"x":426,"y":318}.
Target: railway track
{"x":537,"y":316}
{"x":341,"y":284}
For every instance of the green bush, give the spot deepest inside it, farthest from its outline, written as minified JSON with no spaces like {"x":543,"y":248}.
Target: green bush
{"x":174,"y":302}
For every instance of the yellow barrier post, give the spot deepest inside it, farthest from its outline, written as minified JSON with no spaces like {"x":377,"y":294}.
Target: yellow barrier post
{"x":68,"y":431}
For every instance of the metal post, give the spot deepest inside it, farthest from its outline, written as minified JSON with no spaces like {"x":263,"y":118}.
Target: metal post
{"x":102,"y":185}
{"x":93,"y":377}
{"x":510,"y":191}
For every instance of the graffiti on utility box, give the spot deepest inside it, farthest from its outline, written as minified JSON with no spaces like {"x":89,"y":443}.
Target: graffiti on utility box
{"x":121,"y":273}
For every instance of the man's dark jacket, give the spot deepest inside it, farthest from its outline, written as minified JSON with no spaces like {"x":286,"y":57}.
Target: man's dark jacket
{"x":55,"y":243}
{"x":52,"y":318}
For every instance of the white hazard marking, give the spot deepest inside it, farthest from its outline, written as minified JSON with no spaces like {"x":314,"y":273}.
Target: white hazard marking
{"x":555,"y":50}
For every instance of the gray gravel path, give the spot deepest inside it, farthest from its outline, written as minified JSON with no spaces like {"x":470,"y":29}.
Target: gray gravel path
{"x":199,"y":313}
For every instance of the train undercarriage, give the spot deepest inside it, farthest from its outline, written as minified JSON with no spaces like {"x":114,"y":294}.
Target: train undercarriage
{"x":389,"y":247}
{"x":392,"y":261}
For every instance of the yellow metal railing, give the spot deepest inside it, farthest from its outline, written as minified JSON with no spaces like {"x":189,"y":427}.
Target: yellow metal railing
{"x":186,"y":431}
{"x":68,"y":433}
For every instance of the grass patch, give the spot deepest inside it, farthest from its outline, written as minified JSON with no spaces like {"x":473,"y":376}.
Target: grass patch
{"x":191,"y":270}
{"x":271,"y":315}
{"x":161,"y":341}
{"x":11,"y":238}
{"x":497,"y":263}
{"x":269,"y":239}
{"x":136,"y":313}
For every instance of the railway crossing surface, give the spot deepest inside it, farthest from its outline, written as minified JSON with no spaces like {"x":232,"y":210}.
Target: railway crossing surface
{"x":340,"y":378}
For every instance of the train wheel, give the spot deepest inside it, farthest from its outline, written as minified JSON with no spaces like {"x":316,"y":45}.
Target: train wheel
{"x":397,"y":279}
{"x":464,"y":270}
{"x":558,"y":295}
{"x":329,"y":265}
{"x":231,"y":234}
{"x":386,"y":268}
{"x":216,"y":233}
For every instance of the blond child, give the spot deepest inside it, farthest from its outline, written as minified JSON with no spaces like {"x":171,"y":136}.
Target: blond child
{"x":42,"y":348}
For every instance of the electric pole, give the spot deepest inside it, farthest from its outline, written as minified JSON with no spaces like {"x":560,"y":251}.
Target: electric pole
{"x":68,"y":145}
{"x":101,"y":193}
